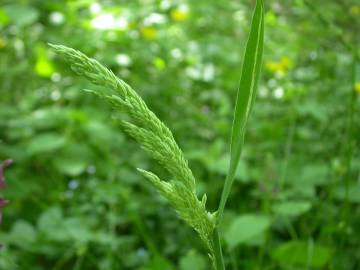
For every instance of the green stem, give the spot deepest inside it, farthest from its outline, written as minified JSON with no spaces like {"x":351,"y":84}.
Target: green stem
{"x":289,"y":145}
{"x":224,"y":195}
{"x":349,"y":139}
{"x":218,"y":257}
{"x":144,"y":234}
{"x":232,"y":253}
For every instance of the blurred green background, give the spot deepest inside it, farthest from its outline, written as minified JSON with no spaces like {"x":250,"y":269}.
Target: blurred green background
{"x":77,"y":201}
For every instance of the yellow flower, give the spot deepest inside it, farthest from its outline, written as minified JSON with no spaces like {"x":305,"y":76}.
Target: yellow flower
{"x":272,"y":66}
{"x":357,"y":87}
{"x":355,"y":10}
{"x":285,"y":62}
{"x":178,"y":15}
{"x":149,"y":33}
{"x":279,"y":67}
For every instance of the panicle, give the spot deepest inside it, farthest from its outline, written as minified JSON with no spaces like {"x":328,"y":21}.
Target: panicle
{"x":154,"y":137}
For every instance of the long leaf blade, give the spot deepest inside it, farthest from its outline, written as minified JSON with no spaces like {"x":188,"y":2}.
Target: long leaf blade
{"x":245,"y":97}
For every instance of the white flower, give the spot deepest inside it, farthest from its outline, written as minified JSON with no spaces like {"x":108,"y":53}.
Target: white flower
{"x":279,"y":93}
{"x":122,"y":23}
{"x":263,"y":92}
{"x":55,"y":95}
{"x":57,"y":17}
{"x":154,"y":18}
{"x":103,"y":22}
{"x":95,"y":8}
{"x":176,"y":53}
{"x":165,"y":4}
{"x":123,"y":59}
{"x":208,"y":72}
{"x":109,"y":22}
{"x":55,"y":77}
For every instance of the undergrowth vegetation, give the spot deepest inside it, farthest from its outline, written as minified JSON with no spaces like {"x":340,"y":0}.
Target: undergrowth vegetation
{"x":75,"y":196}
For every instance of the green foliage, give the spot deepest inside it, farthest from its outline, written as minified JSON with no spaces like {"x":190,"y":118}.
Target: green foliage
{"x":192,"y":261}
{"x":46,"y":142}
{"x":304,"y":254}
{"x":299,"y":167}
{"x":291,"y":208}
{"x":245,"y":228}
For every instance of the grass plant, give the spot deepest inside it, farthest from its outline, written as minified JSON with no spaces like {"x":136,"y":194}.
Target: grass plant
{"x":158,"y":141}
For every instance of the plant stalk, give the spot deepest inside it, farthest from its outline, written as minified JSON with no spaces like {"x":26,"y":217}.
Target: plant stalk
{"x":218,"y":259}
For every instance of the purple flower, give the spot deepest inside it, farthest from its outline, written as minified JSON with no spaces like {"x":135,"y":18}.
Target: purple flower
{"x":3,"y":166}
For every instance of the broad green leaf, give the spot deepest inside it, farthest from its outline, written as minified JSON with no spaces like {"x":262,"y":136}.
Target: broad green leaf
{"x":245,"y":228}
{"x":45,"y":142}
{"x":48,"y":117}
{"x":159,"y":263}
{"x":300,"y":253}
{"x":192,"y":261}
{"x":21,"y":15}
{"x":50,"y":219}
{"x":78,"y":229}
{"x":99,"y":133}
{"x":292,"y":208}
{"x":245,"y":96}
{"x":22,"y":234}
{"x":314,"y":174}
{"x":353,"y":193}
{"x":51,"y":224}
{"x":72,"y":166}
